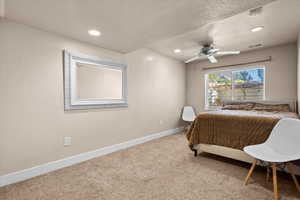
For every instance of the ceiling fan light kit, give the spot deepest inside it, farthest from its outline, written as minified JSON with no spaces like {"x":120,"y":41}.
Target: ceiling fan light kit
{"x":209,"y":51}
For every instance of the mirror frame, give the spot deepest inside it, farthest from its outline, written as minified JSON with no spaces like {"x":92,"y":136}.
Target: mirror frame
{"x":71,"y":101}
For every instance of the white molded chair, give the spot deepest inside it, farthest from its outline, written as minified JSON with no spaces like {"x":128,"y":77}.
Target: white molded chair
{"x":188,"y":114}
{"x":282,"y":146}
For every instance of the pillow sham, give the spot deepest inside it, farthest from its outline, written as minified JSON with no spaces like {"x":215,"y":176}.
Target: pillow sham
{"x":241,"y":106}
{"x":272,"y":107}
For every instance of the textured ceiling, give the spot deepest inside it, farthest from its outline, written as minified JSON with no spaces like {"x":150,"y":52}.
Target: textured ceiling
{"x":126,"y":25}
{"x":281,"y":21}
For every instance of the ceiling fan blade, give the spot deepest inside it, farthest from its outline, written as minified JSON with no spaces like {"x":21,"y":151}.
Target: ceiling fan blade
{"x":212,"y":59}
{"x":212,"y":51}
{"x":227,"y":52}
{"x":192,"y":59}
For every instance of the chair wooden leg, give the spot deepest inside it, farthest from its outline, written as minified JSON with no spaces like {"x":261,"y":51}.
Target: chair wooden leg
{"x":250,"y":171}
{"x":275,"y":185}
{"x":290,"y":168}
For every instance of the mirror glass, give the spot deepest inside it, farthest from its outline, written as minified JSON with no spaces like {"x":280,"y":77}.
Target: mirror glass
{"x":94,"y":82}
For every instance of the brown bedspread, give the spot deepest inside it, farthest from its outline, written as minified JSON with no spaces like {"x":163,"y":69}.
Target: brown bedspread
{"x":234,"y":128}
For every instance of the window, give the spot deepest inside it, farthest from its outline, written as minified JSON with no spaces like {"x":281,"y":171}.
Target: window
{"x":248,"y":84}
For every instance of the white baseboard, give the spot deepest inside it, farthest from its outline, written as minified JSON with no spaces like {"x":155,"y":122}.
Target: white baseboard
{"x":55,"y":165}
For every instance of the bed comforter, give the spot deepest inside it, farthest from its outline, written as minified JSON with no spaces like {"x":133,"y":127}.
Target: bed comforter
{"x":234,"y":128}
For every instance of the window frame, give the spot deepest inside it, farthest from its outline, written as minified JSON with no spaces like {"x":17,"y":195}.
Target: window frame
{"x":207,"y":107}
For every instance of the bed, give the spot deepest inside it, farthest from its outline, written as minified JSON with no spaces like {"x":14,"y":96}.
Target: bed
{"x":227,"y":131}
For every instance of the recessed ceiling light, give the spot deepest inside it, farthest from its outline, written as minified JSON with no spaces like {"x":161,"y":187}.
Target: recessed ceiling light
{"x":177,"y":50}
{"x":149,"y":58}
{"x":258,"y":28}
{"x":94,"y":32}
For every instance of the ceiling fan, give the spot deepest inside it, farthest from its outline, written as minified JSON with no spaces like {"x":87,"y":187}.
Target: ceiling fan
{"x":209,"y":51}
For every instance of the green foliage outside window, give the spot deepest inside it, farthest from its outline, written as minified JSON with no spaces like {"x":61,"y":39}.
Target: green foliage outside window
{"x":234,"y":85}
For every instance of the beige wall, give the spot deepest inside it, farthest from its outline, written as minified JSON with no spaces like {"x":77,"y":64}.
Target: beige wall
{"x":281,"y":73}
{"x":298,"y":69}
{"x":33,"y":120}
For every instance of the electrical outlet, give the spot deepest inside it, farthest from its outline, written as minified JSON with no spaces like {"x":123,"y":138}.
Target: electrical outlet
{"x":67,"y":141}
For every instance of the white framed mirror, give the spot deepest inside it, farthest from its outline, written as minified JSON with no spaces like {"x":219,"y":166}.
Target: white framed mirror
{"x":93,"y":83}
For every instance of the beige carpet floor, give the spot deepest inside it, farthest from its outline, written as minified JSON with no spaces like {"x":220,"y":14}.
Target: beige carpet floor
{"x":164,"y":169}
